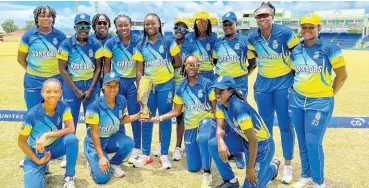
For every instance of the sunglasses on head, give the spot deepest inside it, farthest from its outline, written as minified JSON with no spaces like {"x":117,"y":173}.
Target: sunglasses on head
{"x":179,"y":28}
{"x":260,"y":16}
{"x":308,"y":28}
{"x":102,"y":23}
{"x":83,"y":27}
{"x":229,"y":24}
{"x":190,"y":65}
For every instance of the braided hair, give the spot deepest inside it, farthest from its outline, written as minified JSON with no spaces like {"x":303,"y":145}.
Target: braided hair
{"x":144,"y":31}
{"x":208,"y":29}
{"x":96,"y":17}
{"x":267,"y":5}
{"x":42,"y":10}
{"x":51,"y":80}
{"x":183,"y":72}
{"x":122,"y":16}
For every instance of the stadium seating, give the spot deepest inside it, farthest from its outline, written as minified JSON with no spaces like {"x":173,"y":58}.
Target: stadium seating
{"x":344,"y":40}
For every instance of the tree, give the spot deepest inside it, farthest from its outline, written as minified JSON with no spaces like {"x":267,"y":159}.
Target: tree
{"x":29,"y":25}
{"x":9,"y":26}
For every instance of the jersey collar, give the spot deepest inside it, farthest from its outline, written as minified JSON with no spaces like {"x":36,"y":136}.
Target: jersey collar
{"x":74,"y":40}
{"x":160,"y":38}
{"x":225,"y":38}
{"x":272,"y":32}
{"x":318,"y":42}
{"x":104,"y":104}
{"x":117,"y":37}
{"x":35,"y":30}
{"x":41,"y":108}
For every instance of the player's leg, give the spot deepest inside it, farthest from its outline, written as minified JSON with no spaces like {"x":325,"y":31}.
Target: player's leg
{"x":73,"y":102}
{"x":34,"y":175}
{"x":265,"y":103}
{"x":177,"y":154}
{"x":193,"y":157}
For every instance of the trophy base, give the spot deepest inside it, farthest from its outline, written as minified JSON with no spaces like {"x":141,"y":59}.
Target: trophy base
{"x":144,"y":117}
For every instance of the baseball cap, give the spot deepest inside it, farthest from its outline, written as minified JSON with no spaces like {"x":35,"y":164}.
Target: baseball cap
{"x":178,"y":20}
{"x":311,"y":18}
{"x":202,"y":15}
{"x":229,"y":16}
{"x":111,"y":76}
{"x":224,"y":82}
{"x":82,"y":18}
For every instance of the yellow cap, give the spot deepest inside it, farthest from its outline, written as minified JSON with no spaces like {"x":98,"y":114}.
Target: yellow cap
{"x":202,"y":15}
{"x":178,"y":20}
{"x":311,"y":18}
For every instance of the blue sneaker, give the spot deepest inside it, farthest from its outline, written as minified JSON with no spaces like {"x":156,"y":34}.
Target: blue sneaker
{"x":240,"y":160}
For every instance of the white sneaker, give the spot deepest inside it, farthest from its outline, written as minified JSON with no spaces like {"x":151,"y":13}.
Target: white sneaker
{"x":117,"y":171}
{"x":135,"y":153}
{"x":142,"y":160}
{"x":315,"y":185}
{"x":68,"y":182}
{"x":177,"y":154}
{"x":207,"y":180}
{"x":63,"y":164}
{"x":287,"y":176}
{"x":21,"y":163}
{"x":164,"y":161}
{"x":157,"y":151}
{"x":303,"y":182}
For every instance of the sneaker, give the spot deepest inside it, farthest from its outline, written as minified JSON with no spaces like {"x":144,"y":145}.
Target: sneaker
{"x":135,"y":153}
{"x":88,"y":165}
{"x":177,"y":154}
{"x":68,"y":182}
{"x":164,"y":161}
{"x":207,"y":180}
{"x":303,"y":182}
{"x":21,"y":163}
{"x":142,"y":160}
{"x":227,"y":184}
{"x":157,"y":151}
{"x":117,"y":171}
{"x":240,"y":160}
{"x":287,"y":176}
{"x":63,"y":163}
{"x":315,"y":185}
{"x":276,"y":162}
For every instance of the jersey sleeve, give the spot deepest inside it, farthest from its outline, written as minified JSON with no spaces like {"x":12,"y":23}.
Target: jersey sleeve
{"x":63,"y":51}
{"x":335,"y":56}
{"x":137,"y":55}
{"x":251,"y":50}
{"x":244,"y":120}
{"x":108,"y":49}
{"x":178,"y":97}
{"x":99,"y":50}
{"x":292,"y":39}
{"x":26,"y":126}
{"x":174,"y":48}
{"x":67,"y":113}
{"x":92,"y":115}
{"x":219,"y":112}
{"x":24,"y":43}
{"x":211,"y":93}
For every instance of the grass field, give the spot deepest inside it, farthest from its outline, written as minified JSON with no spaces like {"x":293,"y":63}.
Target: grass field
{"x":346,"y":150}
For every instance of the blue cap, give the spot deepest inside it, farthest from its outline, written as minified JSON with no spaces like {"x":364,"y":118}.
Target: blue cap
{"x":229,"y":16}
{"x":224,"y":82}
{"x":111,"y":76}
{"x":82,"y":18}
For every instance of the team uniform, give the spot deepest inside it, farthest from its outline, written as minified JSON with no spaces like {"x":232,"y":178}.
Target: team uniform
{"x":81,"y":67}
{"x":186,"y":49}
{"x":204,"y":48}
{"x":35,"y":124}
{"x":111,"y":139}
{"x":273,"y":80}
{"x":232,"y":60}
{"x":311,"y":102}
{"x":124,"y":66}
{"x":241,"y":116}
{"x":41,"y":62}
{"x":157,"y":59}
{"x":199,"y":121}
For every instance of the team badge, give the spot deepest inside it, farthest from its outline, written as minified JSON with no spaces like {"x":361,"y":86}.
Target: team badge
{"x":219,"y":78}
{"x":112,"y":75}
{"x":275,"y":44}
{"x":170,"y":97}
{"x":90,"y":115}
{"x":82,"y":16}
{"x":316,"y":55}
{"x":161,"y":49}
{"x":228,"y":14}
{"x":199,"y":93}
{"x":55,"y":41}
{"x":90,"y":53}
{"x":207,"y":46}
{"x":308,"y":16}
{"x":237,"y":46}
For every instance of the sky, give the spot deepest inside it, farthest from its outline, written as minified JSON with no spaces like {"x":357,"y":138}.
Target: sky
{"x":21,"y":11}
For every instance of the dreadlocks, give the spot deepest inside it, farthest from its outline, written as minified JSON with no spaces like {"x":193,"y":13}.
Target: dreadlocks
{"x":196,"y":29}
{"x":42,"y":10}
{"x":96,"y":17}
{"x":267,"y":5}
{"x":144,"y":31}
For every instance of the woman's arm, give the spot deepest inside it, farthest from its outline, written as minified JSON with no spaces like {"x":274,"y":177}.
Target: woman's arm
{"x":22,"y":143}
{"x":253,"y":149}
{"x":107,"y":65}
{"x":252,"y":66}
{"x":22,"y":59}
{"x":339,"y":80}
{"x":63,"y":69}
{"x":177,"y":60}
{"x":173,"y":113}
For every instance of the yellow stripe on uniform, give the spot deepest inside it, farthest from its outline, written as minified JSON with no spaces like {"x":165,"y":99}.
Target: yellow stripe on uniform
{"x":219,"y":114}
{"x":99,"y":53}
{"x":25,"y":131}
{"x":337,"y":62}
{"x":246,"y":124}
{"x":174,"y":50}
{"x":63,"y":55}
{"x":212,"y":96}
{"x":178,"y":100}
{"x":107,"y":53}
{"x":23,"y":48}
{"x":92,"y":119}
{"x":138,"y":57}
{"x":67,"y":116}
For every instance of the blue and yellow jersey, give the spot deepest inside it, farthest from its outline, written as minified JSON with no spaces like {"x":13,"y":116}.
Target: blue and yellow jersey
{"x":273,"y":55}
{"x":121,"y":55}
{"x":108,"y":120}
{"x":241,"y":116}
{"x":313,"y":68}
{"x":108,"y":36}
{"x":232,"y":56}
{"x":36,"y":122}
{"x":157,"y":58}
{"x":81,"y":59}
{"x":196,"y":101}
{"x":205,"y":49}
{"x":186,"y":49}
{"x":42,"y":50}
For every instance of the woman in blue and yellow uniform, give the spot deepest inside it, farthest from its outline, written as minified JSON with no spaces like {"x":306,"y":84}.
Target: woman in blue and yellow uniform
{"x":252,"y":137}
{"x":312,"y":99}
{"x":106,"y":116}
{"x":80,"y":65}
{"x":204,"y":41}
{"x":198,"y":100}
{"x":154,"y":56}
{"x":271,"y":45}
{"x":37,"y":54}
{"x":118,"y":53}
{"x":43,"y":137}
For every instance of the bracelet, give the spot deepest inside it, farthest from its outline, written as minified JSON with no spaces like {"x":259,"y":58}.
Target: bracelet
{"x":161,"y":118}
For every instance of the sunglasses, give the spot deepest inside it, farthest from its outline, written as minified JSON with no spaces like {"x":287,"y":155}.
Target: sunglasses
{"x":102,"y":23}
{"x":83,"y":27}
{"x":227,"y":24}
{"x":190,"y":65}
{"x":310,"y":28}
{"x":219,"y":91}
{"x":260,"y":16}
{"x":202,"y":21}
{"x":179,"y":28}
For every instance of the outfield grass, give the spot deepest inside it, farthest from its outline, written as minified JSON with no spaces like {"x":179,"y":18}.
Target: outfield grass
{"x":346,"y":150}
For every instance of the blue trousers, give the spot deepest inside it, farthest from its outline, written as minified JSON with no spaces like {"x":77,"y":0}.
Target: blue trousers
{"x":208,"y":74}
{"x":263,"y":167}
{"x":310,"y":125}
{"x":196,"y":145}
{"x":74,"y":102}
{"x":118,"y":143}
{"x":268,"y":102}
{"x":161,"y":98}
{"x":34,"y":175}
{"x":32,"y":88}
{"x":129,"y":91}
{"x":241,"y":83}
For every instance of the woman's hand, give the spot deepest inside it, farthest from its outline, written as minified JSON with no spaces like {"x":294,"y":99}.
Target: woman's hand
{"x":223,"y":150}
{"x":104,"y":165}
{"x":40,"y":144}
{"x":251,"y":176}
